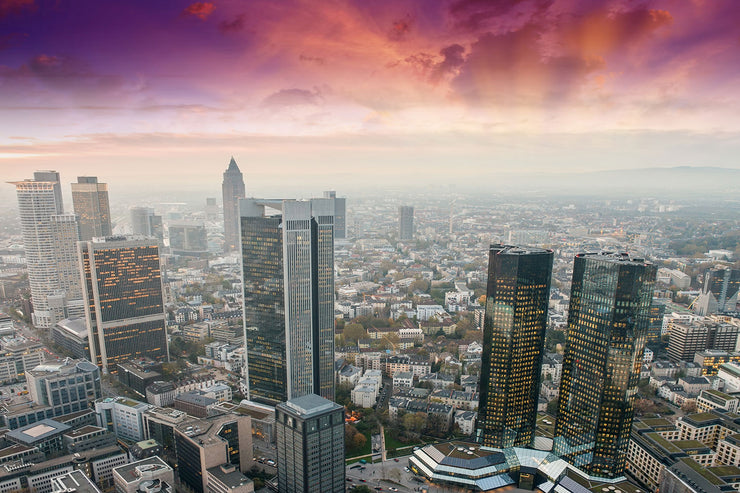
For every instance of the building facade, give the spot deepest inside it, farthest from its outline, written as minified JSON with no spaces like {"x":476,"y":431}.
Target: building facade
{"x":123,"y":297}
{"x":233,"y":190}
{"x":406,"y":222}
{"x":719,"y":293}
{"x":288,"y":270}
{"x":90,"y":201}
{"x":48,"y":238}
{"x":310,"y":445}
{"x":340,"y":214}
{"x":513,"y":340}
{"x":607,"y":330}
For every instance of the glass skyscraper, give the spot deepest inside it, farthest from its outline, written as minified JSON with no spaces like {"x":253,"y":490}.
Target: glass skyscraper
{"x":123,"y":296}
{"x":288,"y":270}
{"x":90,"y":201}
{"x":232,"y":189}
{"x":406,"y":222}
{"x":607,"y":330}
{"x":513,"y":338}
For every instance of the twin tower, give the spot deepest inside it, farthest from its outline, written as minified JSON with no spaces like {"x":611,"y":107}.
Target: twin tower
{"x":607,"y":325}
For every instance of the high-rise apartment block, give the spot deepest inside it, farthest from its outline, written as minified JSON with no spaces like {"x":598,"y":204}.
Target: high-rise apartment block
{"x":310,"y":445}
{"x":123,"y":297}
{"x":90,"y":201}
{"x":607,"y":329}
{"x":719,"y":294}
{"x":233,"y":190}
{"x":288,"y":268}
{"x":406,"y":222}
{"x":340,"y":214}
{"x":514,"y":336}
{"x":49,"y":238}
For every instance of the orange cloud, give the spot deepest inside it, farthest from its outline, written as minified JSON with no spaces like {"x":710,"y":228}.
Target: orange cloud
{"x":201,"y":10}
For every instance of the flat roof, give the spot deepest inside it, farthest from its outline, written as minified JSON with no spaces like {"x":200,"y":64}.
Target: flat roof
{"x":128,"y":472}
{"x":38,"y":431}
{"x":309,"y":405}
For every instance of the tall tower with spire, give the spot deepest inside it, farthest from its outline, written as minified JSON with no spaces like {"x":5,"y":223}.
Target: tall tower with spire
{"x":233,"y":190}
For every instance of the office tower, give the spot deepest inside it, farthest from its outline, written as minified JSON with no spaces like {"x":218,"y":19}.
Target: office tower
{"x":406,"y":222}
{"x":90,"y":201}
{"x":204,"y":444}
{"x":123,"y":298}
{"x":233,"y":190}
{"x":310,"y":445}
{"x":719,"y":294}
{"x":145,"y":222}
{"x":515,"y":322}
{"x":687,"y":339}
{"x":79,"y":378}
{"x":52,"y":177}
{"x":655,"y":326}
{"x":49,"y":236}
{"x":607,"y":327}
{"x":288,"y":268}
{"x":211,"y":209}
{"x":340,"y":214}
{"x":187,"y":238}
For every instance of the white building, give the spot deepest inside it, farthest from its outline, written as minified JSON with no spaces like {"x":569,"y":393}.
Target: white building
{"x":122,"y":416}
{"x":465,"y":420}
{"x":425,"y":312}
{"x":364,"y":395}
{"x":730,"y":374}
{"x":403,"y":379}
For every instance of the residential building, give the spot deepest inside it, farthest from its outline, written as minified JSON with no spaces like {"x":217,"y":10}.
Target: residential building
{"x":514,"y":336}
{"x":232,"y":189}
{"x":607,"y":325}
{"x":288,"y":269}
{"x":49,"y":238}
{"x":90,"y":202}
{"x":125,"y":308}
{"x":310,"y":445}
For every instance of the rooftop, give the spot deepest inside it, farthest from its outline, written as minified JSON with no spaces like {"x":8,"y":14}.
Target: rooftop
{"x":309,"y":405}
{"x":38,"y":431}
{"x":229,"y":476}
{"x":131,"y":473}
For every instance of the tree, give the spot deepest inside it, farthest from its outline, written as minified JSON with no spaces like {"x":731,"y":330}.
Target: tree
{"x":689,"y":407}
{"x":414,"y":422}
{"x":552,"y":407}
{"x":361,"y":489}
{"x":354,"y":332}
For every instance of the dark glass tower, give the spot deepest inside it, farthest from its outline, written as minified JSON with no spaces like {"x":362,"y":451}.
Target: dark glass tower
{"x":123,"y":297}
{"x":310,"y":445}
{"x":233,"y":190}
{"x":288,"y":270}
{"x":607,"y":329}
{"x":90,"y":201}
{"x":406,"y":222}
{"x":513,"y":338}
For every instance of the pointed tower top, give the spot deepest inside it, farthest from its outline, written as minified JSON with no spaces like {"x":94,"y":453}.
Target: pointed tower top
{"x":232,"y":165}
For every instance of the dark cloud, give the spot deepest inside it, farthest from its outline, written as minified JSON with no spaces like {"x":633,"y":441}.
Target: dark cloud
{"x":201,"y":10}
{"x":8,"y":7}
{"x":453,"y":59}
{"x":234,"y":25}
{"x":477,"y":15}
{"x":8,"y":40}
{"x":293,"y":97}
{"x":311,"y":59}
{"x":400,"y":29}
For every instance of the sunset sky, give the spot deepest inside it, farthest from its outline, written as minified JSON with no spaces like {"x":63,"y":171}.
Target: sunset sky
{"x":382,"y":91}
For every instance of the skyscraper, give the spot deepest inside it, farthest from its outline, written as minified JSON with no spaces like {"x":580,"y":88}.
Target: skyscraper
{"x":517,"y":298}
{"x":340,"y":214}
{"x":123,"y":298}
{"x":719,"y":293}
{"x":233,"y":190}
{"x":48,"y":237}
{"x":288,"y":268}
{"x":310,"y":445}
{"x":90,"y":201}
{"x":607,"y":329}
{"x":406,"y":222}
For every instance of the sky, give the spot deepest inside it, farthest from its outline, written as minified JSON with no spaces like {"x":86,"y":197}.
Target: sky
{"x":345,"y":92}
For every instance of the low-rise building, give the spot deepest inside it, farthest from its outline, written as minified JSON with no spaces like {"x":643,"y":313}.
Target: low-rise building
{"x":122,"y":416}
{"x":465,"y":420}
{"x":714,"y":399}
{"x":144,"y":475}
{"x":403,"y":379}
{"x":226,"y":478}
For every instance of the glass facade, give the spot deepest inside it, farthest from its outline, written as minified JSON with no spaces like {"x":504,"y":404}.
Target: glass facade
{"x":232,"y":189}
{"x":513,"y":339}
{"x":123,"y":296}
{"x":288,"y":270}
{"x":90,"y":201}
{"x":608,"y":319}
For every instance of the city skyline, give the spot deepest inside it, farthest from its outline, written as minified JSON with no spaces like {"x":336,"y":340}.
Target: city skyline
{"x":463,"y":88}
